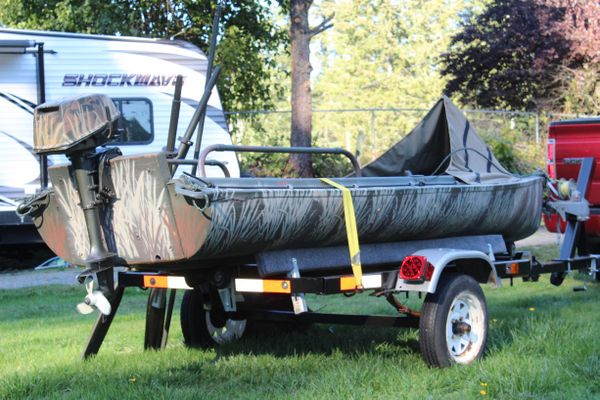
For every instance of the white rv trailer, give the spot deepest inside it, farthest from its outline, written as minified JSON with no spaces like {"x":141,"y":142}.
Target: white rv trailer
{"x":138,"y":74}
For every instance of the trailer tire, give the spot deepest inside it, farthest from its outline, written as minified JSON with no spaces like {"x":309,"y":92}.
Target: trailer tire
{"x":198,"y":329}
{"x":453,"y":326}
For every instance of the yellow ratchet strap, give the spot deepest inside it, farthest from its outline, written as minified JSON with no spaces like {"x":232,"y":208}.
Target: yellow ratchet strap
{"x":351,"y":231}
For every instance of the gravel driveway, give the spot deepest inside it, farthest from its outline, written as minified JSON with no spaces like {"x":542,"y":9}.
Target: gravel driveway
{"x":28,"y":278}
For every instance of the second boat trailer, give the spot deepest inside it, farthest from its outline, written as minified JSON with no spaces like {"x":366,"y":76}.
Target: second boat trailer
{"x":452,"y":323}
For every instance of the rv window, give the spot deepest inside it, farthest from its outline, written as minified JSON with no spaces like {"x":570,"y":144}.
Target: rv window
{"x":136,"y":125}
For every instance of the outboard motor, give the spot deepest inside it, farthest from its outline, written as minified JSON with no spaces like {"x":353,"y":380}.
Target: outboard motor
{"x":76,"y":127}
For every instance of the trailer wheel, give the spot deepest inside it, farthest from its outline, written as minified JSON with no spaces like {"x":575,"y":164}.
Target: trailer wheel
{"x":198,"y":327}
{"x":453,"y":325}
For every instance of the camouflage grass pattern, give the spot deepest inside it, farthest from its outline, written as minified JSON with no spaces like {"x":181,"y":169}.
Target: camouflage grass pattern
{"x":60,"y":124}
{"x":138,"y":224}
{"x":245,"y":221}
{"x":71,"y":214}
{"x":140,"y":221}
{"x":149,"y":224}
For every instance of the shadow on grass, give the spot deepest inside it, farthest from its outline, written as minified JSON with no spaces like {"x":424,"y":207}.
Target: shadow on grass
{"x":280,"y":340}
{"x":269,"y":354}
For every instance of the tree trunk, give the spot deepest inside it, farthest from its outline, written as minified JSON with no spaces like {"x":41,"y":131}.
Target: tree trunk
{"x":301,"y":128}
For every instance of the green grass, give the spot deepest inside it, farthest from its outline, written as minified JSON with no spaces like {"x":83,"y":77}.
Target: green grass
{"x":549,"y":352}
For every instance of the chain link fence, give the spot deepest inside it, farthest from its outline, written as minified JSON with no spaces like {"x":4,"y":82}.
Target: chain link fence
{"x":517,"y":138}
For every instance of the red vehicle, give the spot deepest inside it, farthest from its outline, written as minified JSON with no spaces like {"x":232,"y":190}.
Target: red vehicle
{"x":568,"y":142}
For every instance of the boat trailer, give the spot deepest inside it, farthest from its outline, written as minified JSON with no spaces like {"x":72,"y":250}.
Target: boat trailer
{"x":218,"y":302}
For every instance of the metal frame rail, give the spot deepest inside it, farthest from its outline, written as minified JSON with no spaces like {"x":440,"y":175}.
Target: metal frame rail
{"x":526,"y":267}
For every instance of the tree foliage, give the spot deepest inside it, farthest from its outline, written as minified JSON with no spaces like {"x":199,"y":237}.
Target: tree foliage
{"x":382,"y":54}
{"x":525,"y":54}
{"x":249,"y":36}
{"x":580,"y":76}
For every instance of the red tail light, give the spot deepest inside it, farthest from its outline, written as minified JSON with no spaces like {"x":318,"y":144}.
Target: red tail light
{"x":551,"y":158}
{"x":416,"y":268}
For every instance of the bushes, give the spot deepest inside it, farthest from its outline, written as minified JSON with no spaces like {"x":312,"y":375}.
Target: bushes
{"x":512,"y":151}
{"x":276,"y":165}
{"x":515,"y":153}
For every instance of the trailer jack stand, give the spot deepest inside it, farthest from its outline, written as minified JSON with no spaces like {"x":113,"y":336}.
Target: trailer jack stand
{"x":102,"y":324}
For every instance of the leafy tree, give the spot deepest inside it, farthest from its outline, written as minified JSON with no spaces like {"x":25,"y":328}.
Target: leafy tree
{"x":382,"y":54}
{"x":525,"y":54}
{"x":580,"y":76}
{"x":249,"y":36}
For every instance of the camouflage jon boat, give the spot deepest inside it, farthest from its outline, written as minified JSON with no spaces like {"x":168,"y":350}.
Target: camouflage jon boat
{"x":439,"y":181}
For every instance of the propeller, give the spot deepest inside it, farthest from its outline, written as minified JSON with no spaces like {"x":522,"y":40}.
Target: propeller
{"x":94,"y":299}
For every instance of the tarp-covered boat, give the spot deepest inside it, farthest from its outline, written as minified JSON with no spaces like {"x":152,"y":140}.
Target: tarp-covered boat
{"x":440,"y":181}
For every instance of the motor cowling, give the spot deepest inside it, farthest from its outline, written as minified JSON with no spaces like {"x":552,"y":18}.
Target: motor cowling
{"x":74,"y":124}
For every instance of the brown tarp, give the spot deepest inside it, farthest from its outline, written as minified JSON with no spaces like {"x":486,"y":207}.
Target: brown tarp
{"x":443,"y":142}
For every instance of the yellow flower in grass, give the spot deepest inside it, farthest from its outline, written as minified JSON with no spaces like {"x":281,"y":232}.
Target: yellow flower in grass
{"x":483,"y":392}
{"x":532,"y":309}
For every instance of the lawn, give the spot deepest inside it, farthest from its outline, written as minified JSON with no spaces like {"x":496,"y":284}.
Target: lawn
{"x":543,"y":344}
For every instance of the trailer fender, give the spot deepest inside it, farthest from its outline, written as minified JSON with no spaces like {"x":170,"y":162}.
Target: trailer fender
{"x":470,"y":262}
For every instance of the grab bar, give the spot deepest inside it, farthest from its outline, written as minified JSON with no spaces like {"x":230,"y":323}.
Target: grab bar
{"x":216,"y":163}
{"x":268,"y":149}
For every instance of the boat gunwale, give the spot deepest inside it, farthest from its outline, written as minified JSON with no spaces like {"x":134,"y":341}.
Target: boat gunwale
{"x":273,"y":192}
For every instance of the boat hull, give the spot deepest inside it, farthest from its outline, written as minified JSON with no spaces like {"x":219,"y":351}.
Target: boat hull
{"x":243,"y":221}
{"x":155,"y":221}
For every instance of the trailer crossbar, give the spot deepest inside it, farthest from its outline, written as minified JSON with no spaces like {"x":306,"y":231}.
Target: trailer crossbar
{"x":327,"y":318}
{"x":317,"y":285}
